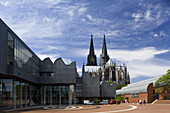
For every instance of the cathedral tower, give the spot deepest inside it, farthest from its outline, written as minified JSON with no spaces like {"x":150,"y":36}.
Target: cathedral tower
{"x":91,"y":59}
{"x":104,"y":57}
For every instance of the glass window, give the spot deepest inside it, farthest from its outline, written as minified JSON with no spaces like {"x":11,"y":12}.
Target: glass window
{"x":0,"y":93}
{"x":78,"y":84}
{"x":7,"y":94}
{"x":25,"y":59}
{"x":10,"y":49}
{"x":10,"y":36}
{"x":135,"y":95}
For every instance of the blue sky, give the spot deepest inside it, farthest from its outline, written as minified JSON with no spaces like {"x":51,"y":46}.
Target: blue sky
{"x":137,"y":31}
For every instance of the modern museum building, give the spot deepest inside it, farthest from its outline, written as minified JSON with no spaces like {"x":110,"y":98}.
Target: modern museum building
{"x":26,"y":80}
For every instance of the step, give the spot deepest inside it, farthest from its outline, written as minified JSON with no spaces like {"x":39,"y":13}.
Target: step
{"x":162,"y":102}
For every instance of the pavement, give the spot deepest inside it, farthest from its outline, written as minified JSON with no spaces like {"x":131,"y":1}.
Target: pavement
{"x":127,"y":108}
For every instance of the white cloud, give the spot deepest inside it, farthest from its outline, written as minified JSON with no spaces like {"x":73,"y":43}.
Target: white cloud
{"x":90,"y":17}
{"x":155,"y":35}
{"x":71,"y":13}
{"x":47,"y":19}
{"x":5,"y":3}
{"x":162,"y":33}
{"x":147,"y":15}
{"x":82,"y":10}
{"x":67,"y":60}
{"x":146,"y":68}
{"x":158,"y":34}
{"x":33,"y":26}
{"x":79,"y":70}
{"x":136,"y":16}
{"x":140,"y":62}
{"x":140,"y":54}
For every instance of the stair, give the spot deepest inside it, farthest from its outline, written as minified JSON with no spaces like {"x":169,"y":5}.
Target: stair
{"x":162,"y":102}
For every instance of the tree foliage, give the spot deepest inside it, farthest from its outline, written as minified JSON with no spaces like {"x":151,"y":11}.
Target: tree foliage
{"x":119,"y":98}
{"x":110,"y":82}
{"x":163,"y":83}
{"x":119,"y":86}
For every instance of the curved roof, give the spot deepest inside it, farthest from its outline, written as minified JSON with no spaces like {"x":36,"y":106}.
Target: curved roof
{"x":137,"y":87}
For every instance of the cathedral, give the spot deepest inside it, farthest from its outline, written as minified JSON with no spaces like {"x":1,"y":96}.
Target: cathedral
{"x":107,"y":70}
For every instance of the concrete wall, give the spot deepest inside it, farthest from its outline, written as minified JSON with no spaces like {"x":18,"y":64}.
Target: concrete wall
{"x":90,"y":86}
{"x":108,"y":90}
{"x":3,"y":47}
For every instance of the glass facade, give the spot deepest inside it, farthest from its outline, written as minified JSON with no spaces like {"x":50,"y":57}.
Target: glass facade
{"x":49,"y":74}
{"x":7,"y":93}
{"x":25,"y":59}
{"x":10,"y":49}
{"x":15,"y":94}
{"x":1,"y":93}
{"x":56,"y":95}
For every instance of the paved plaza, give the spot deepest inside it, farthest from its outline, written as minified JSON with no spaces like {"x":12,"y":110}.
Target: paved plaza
{"x":127,"y":108}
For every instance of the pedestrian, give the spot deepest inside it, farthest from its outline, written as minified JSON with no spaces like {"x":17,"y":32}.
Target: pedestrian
{"x":137,"y":102}
{"x":144,"y":102}
{"x":140,"y":101}
{"x":133,"y":102}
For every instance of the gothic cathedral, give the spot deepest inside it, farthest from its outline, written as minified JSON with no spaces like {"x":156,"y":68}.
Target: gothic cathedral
{"x":107,"y":70}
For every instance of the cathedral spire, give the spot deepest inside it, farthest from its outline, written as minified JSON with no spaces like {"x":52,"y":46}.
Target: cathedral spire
{"x":91,"y":60}
{"x":83,"y":69}
{"x":104,"y":57}
{"x":104,"y":49}
{"x":91,"y":52}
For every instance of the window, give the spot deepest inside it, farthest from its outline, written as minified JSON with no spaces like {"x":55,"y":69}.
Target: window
{"x":78,"y":84}
{"x":135,"y":95}
{"x":49,"y":74}
{"x":10,"y":49}
{"x":25,"y":59}
{"x":78,"y":90}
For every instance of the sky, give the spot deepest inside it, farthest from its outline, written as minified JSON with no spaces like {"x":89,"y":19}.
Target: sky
{"x":137,"y":31}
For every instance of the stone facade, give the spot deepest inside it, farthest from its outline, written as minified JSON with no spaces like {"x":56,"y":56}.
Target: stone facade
{"x":108,"y":70}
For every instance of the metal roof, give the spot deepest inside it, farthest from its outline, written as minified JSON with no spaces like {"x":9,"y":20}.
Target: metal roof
{"x":137,"y":87}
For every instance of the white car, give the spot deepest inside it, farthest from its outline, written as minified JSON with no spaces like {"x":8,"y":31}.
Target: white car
{"x":87,"y":102}
{"x":104,"y":102}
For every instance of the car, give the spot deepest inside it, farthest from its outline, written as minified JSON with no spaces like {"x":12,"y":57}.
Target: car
{"x":87,"y":102}
{"x":104,"y":102}
{"x":117,"y":102}
{"x":112,"y":102}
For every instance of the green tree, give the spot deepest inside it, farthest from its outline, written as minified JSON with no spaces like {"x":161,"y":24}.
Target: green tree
{"x":110,"y":82}
{"x":119,"y":86}
{"x":163,"y":83}
{"x":119,"y":98}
